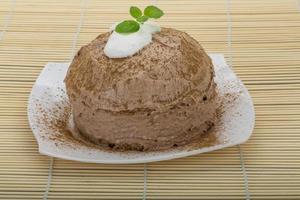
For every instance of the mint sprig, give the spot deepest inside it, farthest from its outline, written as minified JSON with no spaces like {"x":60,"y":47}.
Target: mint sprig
{"x":132,"y":26}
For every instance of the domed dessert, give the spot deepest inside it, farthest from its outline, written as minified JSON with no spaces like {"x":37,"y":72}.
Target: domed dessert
{"x":162,"y":96}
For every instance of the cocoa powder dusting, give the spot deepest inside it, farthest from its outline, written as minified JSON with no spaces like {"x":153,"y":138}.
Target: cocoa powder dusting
{"x":55,"y":121}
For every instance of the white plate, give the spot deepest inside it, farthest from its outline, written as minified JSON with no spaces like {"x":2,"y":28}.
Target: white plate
{"x":48,"y":100}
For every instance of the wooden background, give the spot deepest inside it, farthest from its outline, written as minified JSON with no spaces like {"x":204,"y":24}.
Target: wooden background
{"x":261,"y":40}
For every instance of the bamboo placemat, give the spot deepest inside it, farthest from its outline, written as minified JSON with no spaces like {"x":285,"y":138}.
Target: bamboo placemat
{"x":261,"y":40}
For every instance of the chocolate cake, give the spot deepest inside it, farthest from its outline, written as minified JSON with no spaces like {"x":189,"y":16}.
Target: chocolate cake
{"x":163,"y":96}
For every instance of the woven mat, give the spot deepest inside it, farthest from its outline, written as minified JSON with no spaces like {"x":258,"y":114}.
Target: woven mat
{"x":261,"y":40}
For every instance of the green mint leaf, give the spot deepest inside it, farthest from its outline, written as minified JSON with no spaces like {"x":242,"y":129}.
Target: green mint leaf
{"x":153,"y":12}
{"x":135,"y":12}
{"x":142,"y":19}
{"x":127,"y":26}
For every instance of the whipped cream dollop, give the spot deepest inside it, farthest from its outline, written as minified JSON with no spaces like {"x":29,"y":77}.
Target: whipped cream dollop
{"x":125,"y":45}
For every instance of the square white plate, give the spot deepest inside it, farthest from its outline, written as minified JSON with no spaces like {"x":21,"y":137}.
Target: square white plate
{"x":48,"y":100}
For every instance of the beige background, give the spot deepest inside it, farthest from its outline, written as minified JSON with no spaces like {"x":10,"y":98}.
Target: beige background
{"x":261,"y":38}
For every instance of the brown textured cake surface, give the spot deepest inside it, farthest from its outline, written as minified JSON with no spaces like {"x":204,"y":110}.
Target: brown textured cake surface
{"x":161,"y":97}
